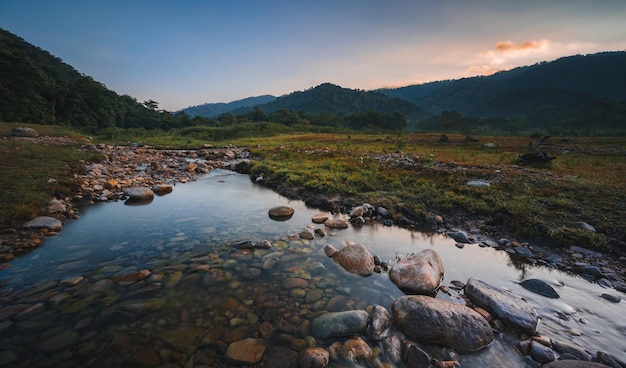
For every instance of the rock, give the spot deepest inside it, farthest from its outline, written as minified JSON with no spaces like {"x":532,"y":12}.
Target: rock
{"x":336,"y":324}
{"x":523,"y":252}
{"x":24,"y":132}
{"x":584,"y":226}
{"x":415,"y":357}
{"x":380,"y":323}
{"x":281,"y":213}
{"x":357,"y":211}
{"x":610,"y":360}
{"x":611,"y":298}
{"x":573,"y":351}
{"x":541,"y":353}
{"x":392,"y":348}
{"x":478,"y":183}
{"x":329,"y":250}
{"x":439,"y":321}
{"x":419,"y":273}
{"x":503,"y":304}
{"x":320,"y":218}
{"x":336,"y":223}
{"x":540,"y":287}
{"x":472,"y":138}
{"x":182,"y":337}
{"x":161,"y":189}
{"x":56,"y":206}
{"x":139,"y":193}
{"x":585,"y":251}
{"x":355,"y":258}
{"x":246,"y":351}
{"x":134,"y":277}
{"x":313,"y":358}
{"x":459,"y":236}
{"x":592,"y":271}
{"x":356,"y":349}
{"x":44,"y":222}
{"x":490,"y":145}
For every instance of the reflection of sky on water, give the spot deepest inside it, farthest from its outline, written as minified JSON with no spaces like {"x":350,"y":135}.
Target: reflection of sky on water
{"x":223,"y":208}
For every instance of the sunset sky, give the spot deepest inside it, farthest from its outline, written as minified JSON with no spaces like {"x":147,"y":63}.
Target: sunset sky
{"x":189,"y":52}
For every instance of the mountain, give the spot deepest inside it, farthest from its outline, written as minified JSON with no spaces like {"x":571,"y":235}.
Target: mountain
{"x":213,"y":110}
{"x":567,"y":82}
{"x":37,"y":87}
{"x":333,"y":99}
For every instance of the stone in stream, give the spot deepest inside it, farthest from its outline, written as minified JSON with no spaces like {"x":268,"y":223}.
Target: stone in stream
{"x":380,"y":323}
{"x":419,"y":273}
{"x":506,"y":306}
{"x":540,"y":287}
{"x":139,"y":193}
{"x":354,"y":258}
{"x":246,"y":351}
{"x":459,"y":237}
{"x":313,"y":358}
{"x":337,"y":324}
{"x":161,"y":189}
{"x":280,"y":213}
{"x":573,"y":364}
{"x":439,"y":321}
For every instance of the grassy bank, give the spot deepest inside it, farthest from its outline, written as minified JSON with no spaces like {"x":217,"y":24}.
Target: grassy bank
{"x":32,"y":172}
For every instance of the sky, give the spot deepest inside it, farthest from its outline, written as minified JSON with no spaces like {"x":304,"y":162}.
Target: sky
{"x":182,"y":53}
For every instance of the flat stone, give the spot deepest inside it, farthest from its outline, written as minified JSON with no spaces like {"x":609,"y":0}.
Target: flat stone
{"x":139,"y":193}
{"x":540,"y":287}
{"x":506,"y":306}
{"x":45,"y":222}
{"x":281,"y":213}
{"x":459,"y":236}
{"x":440,"y":321}
{"x":246,"y":351}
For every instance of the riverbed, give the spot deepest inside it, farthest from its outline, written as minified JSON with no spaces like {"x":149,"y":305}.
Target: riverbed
{"x":150,"y":284}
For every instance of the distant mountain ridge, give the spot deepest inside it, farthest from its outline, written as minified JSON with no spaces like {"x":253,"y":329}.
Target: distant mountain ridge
{"x":213,"y":110}
{"x":565,"y":82}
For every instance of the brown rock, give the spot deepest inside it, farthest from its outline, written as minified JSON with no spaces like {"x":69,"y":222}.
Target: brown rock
{"x":134,"y":277}
{"x":246,"y":351}
{"x":419,"y":273}
{"x":355,"y":258}
{"x":313,"y":358}
{"x":320,"y":218}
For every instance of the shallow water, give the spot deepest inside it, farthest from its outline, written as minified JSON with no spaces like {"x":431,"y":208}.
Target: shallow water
{"x":201,"y":295}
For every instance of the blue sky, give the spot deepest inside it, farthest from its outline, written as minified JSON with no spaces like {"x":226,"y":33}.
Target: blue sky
{"x":188,"y":52}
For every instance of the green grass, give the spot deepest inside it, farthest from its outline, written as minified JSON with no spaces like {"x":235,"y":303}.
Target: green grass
{"x":33,"y":173}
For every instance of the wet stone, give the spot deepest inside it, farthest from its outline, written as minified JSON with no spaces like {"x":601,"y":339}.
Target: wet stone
{"x":246,"y":351}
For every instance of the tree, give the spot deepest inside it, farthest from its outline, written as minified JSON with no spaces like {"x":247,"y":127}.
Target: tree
{"x":151,"y":104}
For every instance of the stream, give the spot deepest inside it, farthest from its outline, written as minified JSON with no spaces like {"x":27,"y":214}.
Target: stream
{"x":158,"y":284}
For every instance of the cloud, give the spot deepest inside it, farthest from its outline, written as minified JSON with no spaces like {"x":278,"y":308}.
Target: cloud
{"x":509,"y":49}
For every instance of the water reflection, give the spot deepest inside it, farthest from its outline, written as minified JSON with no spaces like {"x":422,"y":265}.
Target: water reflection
{"x":72,"y":301}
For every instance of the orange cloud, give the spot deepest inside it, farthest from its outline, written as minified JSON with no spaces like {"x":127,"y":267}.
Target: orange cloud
{"x":505,"y":46}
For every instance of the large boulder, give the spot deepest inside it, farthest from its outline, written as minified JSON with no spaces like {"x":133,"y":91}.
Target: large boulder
{"x":336,"y":324}
{"x":419,"y":273}
{"x":355,"y":258}
{"x":508,"y":307}
{"x":439,"y":321}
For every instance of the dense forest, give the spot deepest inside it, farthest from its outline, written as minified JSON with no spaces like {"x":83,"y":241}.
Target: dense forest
{"x":581,"y":95}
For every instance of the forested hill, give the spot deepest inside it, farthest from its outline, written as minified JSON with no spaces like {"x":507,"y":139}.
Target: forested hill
{"x":213,"y":110}
{"x":37,"y":87}
{"x":333,"y":99}
{"x":567,"y":82}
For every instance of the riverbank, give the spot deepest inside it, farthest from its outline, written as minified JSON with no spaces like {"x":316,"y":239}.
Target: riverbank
{"x":123,"y":167}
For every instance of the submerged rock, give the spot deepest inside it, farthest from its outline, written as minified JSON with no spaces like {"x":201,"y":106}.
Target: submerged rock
{"x":540,"y":287}
{"x":434,"y":320}
{"x":419,"y":273}
{"x":508,"y":307}
{"x":336,"y":324}
{"x":246,"y":351}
